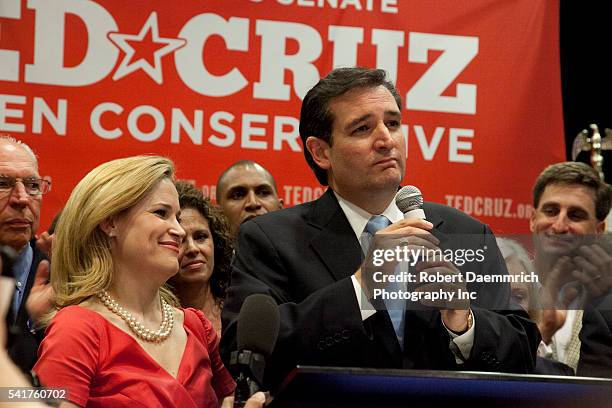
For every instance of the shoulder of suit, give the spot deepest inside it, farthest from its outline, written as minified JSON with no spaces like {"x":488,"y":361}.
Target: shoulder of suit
{"x":38,"y":254}
{"x":281,"y":218}
{"x":453,"y":216}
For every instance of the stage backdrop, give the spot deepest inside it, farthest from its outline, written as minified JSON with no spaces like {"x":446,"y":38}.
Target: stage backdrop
{"x":208,"y":82}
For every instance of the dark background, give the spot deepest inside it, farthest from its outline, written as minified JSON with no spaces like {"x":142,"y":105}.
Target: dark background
{"x":585,"y":39}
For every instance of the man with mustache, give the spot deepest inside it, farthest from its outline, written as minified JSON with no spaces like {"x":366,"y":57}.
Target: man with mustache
{"x":571,"y":204}
{"x":308,"y":257}
{"x":21,"y":191}
{"x":245,"y":190}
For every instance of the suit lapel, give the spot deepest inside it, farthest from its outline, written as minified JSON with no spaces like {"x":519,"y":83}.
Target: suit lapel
{"x":336,"y":243}
{"x":432,"y":216}
{"x":437,"y":221}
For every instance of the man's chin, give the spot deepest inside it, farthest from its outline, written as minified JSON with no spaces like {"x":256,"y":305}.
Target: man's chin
{"x":391,"y":178}
{"x":559,"y":247}
{"x":393,"y":184}
{"x":16,"y":242}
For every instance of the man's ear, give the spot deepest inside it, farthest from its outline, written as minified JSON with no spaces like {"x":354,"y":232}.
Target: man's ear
{"x":108,"y":227}
{"x":281,"y":203}
{"x":601,"y":227}
{"x":319,"y":150}
{"x":532,"y":220}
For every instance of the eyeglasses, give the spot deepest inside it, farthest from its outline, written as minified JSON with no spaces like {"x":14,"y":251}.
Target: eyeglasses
{"x":33,"y":186}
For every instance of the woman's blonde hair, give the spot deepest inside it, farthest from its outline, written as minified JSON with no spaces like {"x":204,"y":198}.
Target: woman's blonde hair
{"x":82,"y":264}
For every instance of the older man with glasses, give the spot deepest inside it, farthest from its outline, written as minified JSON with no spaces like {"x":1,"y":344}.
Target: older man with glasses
{"x":21,"y":191}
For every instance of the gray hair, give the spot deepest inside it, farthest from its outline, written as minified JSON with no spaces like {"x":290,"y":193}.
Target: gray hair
{"x":509,"y":247}
{"x":4,"y":138}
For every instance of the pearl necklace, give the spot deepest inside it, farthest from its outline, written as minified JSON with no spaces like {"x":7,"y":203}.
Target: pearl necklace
{"x":136,"y":326}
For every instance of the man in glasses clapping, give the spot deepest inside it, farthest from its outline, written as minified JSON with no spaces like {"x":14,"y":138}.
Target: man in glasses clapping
{"x":21,"y":192}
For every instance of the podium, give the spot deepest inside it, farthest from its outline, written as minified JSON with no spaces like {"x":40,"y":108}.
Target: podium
{"x":309,"y":386}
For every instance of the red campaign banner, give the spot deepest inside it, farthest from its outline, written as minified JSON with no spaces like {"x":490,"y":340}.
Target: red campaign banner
{"x":210,"y":82}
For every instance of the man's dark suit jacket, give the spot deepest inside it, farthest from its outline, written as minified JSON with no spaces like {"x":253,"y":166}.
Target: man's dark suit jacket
{"x":304,"y":257}
{"x":596,"y":339}
{"x":22,"y":344}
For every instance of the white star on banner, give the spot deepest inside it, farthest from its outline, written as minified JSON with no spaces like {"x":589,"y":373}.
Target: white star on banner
{"x":127,"y":66}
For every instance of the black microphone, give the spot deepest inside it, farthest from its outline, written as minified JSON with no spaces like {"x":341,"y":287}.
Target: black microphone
{"x":7,"y":289}
{"x":258,"y":324}
{"x":7,"y":278}
{"x":410,"y":201}
{"x":8,"y":256}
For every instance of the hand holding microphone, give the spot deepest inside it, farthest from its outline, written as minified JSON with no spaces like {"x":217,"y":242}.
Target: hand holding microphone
{"x":414,"y":227}
{"x":413,"y":230}
{"x":413,"y":233}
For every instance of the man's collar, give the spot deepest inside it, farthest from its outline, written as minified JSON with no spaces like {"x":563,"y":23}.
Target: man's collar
{"x":21,"y":266}
{"x":358,"y":217}
{"x":25,"y":248}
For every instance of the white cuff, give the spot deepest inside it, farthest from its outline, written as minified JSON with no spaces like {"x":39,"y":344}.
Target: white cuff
{"x":545,"y":350}
{"x":365,"y":307}
{"x":463,"y":341}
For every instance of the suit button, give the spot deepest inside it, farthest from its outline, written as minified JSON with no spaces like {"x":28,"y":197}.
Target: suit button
{"x":321,"y":345}
{"x":346,"y":334}
{"x":338,"y":338}
{"x":329,"y":341}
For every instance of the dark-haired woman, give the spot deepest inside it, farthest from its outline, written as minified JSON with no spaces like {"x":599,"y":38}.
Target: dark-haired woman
{"x":205,"y":255}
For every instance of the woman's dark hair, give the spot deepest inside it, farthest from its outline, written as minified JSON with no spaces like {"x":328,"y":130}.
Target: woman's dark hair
{"x":191,"y":197}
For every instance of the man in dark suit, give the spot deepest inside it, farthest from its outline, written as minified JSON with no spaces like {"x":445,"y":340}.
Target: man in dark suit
{"x":309,"y":257}
{"x":21,"y":190}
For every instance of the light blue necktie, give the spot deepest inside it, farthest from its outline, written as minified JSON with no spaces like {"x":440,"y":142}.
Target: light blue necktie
{"x":395,"y":307}
{"x":375,"y":224}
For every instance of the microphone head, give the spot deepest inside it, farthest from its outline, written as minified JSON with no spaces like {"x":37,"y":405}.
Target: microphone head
{"x":409,"y":198}
{"x":258,"y":324}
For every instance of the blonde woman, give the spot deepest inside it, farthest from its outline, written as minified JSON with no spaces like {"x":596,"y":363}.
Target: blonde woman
{"x":118,"y":338}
